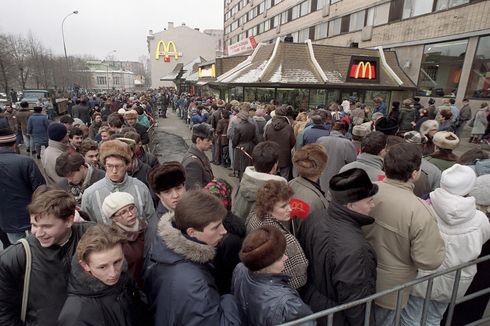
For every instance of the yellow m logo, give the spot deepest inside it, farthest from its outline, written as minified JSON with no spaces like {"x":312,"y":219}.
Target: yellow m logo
{"x":365,"y":67}
{"x":164,"y":50}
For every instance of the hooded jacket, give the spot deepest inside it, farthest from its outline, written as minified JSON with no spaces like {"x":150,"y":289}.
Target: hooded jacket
{"x":464,"y":230}
{"x":91,"y":302}
{"x":179,"y":283}
{"x":281,"y":133}
{"x":266,"y":299}
{"x":252,"y":180}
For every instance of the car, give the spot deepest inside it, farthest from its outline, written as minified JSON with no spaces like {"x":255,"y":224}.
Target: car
{"x":32,"y":96}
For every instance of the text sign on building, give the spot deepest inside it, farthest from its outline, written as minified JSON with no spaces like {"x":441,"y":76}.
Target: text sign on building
{"x":245,"y":45}
{"x":363,"y":69}
{"x":208,"y":71}
{"x":166,"y":50}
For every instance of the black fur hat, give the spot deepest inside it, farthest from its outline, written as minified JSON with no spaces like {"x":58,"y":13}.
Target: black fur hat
{"x":351,"y":186}
{"x":166,"y":176}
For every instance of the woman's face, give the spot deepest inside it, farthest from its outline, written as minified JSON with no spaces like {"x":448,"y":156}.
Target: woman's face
{"x":282,"y":210}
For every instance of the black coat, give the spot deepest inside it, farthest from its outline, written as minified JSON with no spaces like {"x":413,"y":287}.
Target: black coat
{"x":244,"y":137}
{"x":48,"y":285}
{"x":81,"y":112}
{"x":342,"y":263}
{"x":198,"y":171}
{"x":143,"y":132}
{"x":91,"y":302}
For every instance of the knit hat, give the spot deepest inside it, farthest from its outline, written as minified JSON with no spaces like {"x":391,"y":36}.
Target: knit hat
{"x":387,"y":126}
{"x":414,"y":137}
{"x":222,"y":190}
{"x":310,"y":160}
{"x":202,"y":130}
{"x":121,"y":111}
{"x":458,"y":179}
{"x":281,"y":111}
{"x":242,"y":115}
{"x":262,"y":247}
{"x":361,"y":130}
{"x":445,"y":140}
{"x":57,"y":131}
{"x":481,"y":190}
{"x":234,"y":103}
{"x":114,"y":202}
{"x":6,"y":135}
{"x":428,"y":126}
{"x":166,"y":176}
{"x":351,"y":186}
{"x":114,"y":148}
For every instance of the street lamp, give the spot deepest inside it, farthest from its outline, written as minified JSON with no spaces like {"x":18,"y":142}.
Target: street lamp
{"x":63,"y":31}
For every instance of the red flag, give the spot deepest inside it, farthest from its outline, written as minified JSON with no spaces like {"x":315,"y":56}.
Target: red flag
{"x":299,"y":208}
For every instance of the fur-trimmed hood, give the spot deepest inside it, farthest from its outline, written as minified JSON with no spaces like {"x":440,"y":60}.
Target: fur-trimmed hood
{"x":177,"y":247}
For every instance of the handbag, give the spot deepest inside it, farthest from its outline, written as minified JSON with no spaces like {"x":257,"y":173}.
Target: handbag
{"x":27,"y":277}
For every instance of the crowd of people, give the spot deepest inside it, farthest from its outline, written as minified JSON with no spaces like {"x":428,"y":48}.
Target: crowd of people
{"x":334,"y":204}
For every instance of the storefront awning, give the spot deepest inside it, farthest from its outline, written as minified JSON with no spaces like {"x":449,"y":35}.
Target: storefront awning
{"x":174,"y":74}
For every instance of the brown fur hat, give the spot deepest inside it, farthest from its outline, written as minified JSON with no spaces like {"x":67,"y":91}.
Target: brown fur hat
{"x":115,"y":148}
{"x":262,"y":247}
{"x":166,"y":176}
{"x":310,"y":160}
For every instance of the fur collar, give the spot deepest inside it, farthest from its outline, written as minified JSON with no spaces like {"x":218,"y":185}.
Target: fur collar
{"x":178,"y":243}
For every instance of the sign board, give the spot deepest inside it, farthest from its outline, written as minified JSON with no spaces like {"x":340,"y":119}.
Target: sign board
{"x":363,"y":69}
{"x":208,"y":71}
{"x":166,"y":50}
{"x":245,"y":45}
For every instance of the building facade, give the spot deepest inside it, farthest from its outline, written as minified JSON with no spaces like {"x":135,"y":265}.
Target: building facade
{"x":178,"y":45}
{"x":442,"y":45}
{"x":103,"y":75}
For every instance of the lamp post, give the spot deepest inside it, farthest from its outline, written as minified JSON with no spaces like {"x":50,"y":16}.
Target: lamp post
{"x":63,"y":31}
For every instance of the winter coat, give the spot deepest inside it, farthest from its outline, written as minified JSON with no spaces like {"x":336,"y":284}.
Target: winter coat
{"x":340,"y":151}
{"x":311,"y":135}
{"x":372,"y":164}
{"x":246,"y":194}
{"x":343,"y":263}
{"x":140,"y":171}
{"x":405,"y":237}
{"x":198,"y":171}
{"x":244,"y":139}
{"x":148,"y":158}
{"x":297,"y":264}
{"x":51,"y":153}
{"x":93,"y":130}
{"x":49,"y":278}
{"x":357,"y":115}
{"x":442,"y":159}
{"x":179,"y":283}
{"x":19,"y":177}
{"x":281,"y":132}
{"x":433,"y":174}
{"x":93,"y":175}
{"x":259,"y":123}
{"x":91,"y":302}
{"x":464,"y":230}
{"x":22,"y":117}
{"x":480,"y":122}
{"x":94,"y":196}
{"x":143,"y":132}
{"x":221,"y":128}
{"x":267,"y":299}
{"x":407,"y":116}
{"x":37,"y":127}
{"x":81,"y":112}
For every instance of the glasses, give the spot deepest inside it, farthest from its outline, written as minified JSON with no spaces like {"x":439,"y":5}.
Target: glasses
{"x":126,"y":212}
{"x":114,"y":166}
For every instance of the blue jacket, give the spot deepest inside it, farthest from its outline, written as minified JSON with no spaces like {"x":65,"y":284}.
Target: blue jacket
{"x":19,"y":177}
{"x":37,"y":127}
{"x":381,"y":108}
{"x":312,"y":134}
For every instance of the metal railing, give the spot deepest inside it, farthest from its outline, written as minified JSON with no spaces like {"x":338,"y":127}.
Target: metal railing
{"x":368,"y":301}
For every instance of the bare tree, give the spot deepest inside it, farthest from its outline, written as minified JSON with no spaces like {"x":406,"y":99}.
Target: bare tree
{"x":19,"y":51}
{"x":6,"y":65}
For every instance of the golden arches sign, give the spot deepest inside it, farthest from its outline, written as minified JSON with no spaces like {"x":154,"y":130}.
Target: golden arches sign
{"x":163,"y":49}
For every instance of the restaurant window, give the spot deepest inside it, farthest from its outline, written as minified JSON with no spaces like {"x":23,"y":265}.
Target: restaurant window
{"x":446,"y":4}
{"x":321,"y":31}
{"x":479,"y":81}
{"x":332,"y":96}
{"x":249,"y":94}
{"x":441,"y":67}
{"x":412,"y":8}
{"x":370,"y":95}
{"x":317,"y":97}
{"x":357,"y":21}
{"x":303,"y":35}
{"x":264,"y":95}
{"x":334,"y":27}
{"x":298,"y":98}
{"x":378,"y":15}
{"x":236,"y":93}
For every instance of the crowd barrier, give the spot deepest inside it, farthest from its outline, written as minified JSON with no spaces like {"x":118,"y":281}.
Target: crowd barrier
{"x":369,"y":301}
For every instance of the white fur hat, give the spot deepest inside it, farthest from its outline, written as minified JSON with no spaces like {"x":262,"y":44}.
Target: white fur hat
{"x":458,"y":179}
{"x":481,"y":190}
{"x":115,"y":202}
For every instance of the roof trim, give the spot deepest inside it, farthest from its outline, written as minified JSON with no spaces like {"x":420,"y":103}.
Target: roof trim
{"x":387,"y":66}
{"x":269,"y":62}
{"x":242,"y":64}
{"x":315,"y":63}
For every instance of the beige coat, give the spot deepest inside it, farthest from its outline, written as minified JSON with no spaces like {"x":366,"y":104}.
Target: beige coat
{"x":405,"y":237}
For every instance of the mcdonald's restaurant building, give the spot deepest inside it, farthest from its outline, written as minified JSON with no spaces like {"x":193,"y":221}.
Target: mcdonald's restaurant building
{"x":306,"y":75}
{"x":178,"y":45}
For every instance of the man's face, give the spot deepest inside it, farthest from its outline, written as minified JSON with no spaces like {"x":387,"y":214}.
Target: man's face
{"x":115,"y":168}
{"x":76,"y":141}
{"x":98,"y":118}
{"x":50,"y":230}
{"x":77,"y":177}
{"x":131,"y":121}
{"x":172,"y":196}
{"x":211,"y":235}
{"x":106,"y":265}
{"x":92,"y":157}
{"x":363,"y":206}
{"x":105,"y":136}
{"x":204,"y":144}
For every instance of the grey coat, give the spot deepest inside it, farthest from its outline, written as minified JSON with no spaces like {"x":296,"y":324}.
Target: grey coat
{"x":480,"y":122}
{"x":372,"y":164}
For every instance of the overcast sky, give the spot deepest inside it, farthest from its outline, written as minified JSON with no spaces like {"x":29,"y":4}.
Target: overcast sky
{"x":102,"y":26}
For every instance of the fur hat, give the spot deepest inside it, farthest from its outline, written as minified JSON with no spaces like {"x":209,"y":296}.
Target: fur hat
{"x":414,"y":137}
{"x":387,"y":126}
{"x":481,"y":190}
{"x":351,"y":186}
{"x":131,"y":142}
{"x":310,"y":160}
{"x":114,"y":148}
{"x":458,"y":179}
{"x":220,"y":104}
{"x":131,"y":114}
{"x":6,"y":135}
{"x":262,"y":247}
{"x":121,"y":111}
{"x":234,"y":103}
{"x":428,"y":126}
{"x":445,"y":140}
{"x":222,"y":190}
{"x":114,"y":202}
{"x":202,"y":130}
{"x":361,"y":130}
{"x":242,"y":115}
{"x":57,"y":131}
{"x":166,"y":176}
{"x":281,"y":111}
{"x":260,"y":112}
